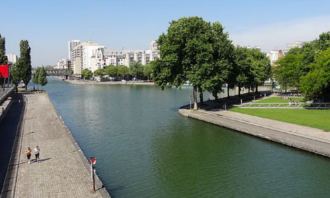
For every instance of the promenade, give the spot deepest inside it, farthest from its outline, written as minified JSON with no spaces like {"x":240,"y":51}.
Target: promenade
{"x":301,"y":137}
{"x":62,"y":170}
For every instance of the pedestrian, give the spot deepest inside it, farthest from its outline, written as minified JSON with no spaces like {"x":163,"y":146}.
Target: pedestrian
{"x":36,"y":153}
{"x":28,"y":154}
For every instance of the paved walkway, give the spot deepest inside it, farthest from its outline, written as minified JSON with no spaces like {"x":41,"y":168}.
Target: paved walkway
{"x":62,"y":170}
{"x":305,"y":138}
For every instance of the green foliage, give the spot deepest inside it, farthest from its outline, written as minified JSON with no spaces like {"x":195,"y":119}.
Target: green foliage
{"x":99,"y":72}
{"x":15,"y":74}
{"x":3,"y":57}
{"x":122,"y":71}
{"x":86,"y":74}
{"x":42,"y":77}
{"x":290,"y":69}
{"x":136,"y":70}
{"x":111,"y":70}
{"x":307,"y":69}
{"x":24,"y":62}
{"x":316,"y":84}
{"x":148,"y":70}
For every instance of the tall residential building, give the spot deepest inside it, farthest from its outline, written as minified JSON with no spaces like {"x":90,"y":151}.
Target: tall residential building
{"x":12,"y":58}
{"x":87,"y":55}
{"x":71,"y":45}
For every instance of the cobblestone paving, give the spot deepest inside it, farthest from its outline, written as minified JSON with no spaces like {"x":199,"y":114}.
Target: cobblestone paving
{"x":61,"y":171}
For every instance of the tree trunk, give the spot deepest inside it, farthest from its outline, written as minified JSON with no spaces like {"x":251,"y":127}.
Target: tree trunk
{"x":239,"y":91}
{"x":201,"y":98}
{"x":256,"y":88}
{"x":195,"y":97}
{"x":228,"y":95}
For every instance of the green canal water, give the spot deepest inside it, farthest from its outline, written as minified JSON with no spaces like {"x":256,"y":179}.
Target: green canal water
{"x":144,"y":148}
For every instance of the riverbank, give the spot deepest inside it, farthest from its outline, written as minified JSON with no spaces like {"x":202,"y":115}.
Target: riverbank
{"x":91,"y":82}
{"x":301,"y":137}
{"x":63,"y":170}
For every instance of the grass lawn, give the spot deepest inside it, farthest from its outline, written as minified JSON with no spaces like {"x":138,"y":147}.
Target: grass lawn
{"x":277,"y":99}
{"x":312,"y":118}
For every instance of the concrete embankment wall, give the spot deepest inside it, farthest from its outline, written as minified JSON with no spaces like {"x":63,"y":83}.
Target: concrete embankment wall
{"x":314,"y":144}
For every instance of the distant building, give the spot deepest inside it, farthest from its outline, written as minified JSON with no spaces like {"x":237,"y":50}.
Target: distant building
{"x":12,"y":58}
{"x":127,"y":57}
{"x":63,"y":64}
{"x":92,"y":56}
{"x":87,"y":55}
{"x":274,"y":55}
{"x":71,"y":45}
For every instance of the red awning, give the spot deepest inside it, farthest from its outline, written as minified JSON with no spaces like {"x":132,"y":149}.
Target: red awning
{"x":4,"y":71}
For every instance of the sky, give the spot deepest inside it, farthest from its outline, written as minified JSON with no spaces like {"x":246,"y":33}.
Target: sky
{"x":133,"y":24}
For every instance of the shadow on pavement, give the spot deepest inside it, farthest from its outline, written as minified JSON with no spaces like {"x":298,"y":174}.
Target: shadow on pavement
{"x":8,"y":130}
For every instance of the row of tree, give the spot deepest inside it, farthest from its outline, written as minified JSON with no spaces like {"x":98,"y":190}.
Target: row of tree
{"x":135,"y":70}
{"x":40,"y":76}
{"x":21,"y":71}
{"x":307,"y":69}
{"x":199,"y":52}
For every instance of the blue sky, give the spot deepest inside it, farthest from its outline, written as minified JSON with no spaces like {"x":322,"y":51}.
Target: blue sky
{"x":132,"y":24}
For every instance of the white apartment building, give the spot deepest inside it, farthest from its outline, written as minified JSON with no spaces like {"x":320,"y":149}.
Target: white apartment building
{"x":87,"y":55}
{"x":126,"y":57}
{"x":71,"y":45}
{"x":12,"y":58}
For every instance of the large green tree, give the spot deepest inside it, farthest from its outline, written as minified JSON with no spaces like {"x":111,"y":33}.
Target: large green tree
{"x":122,"y":71}
{"x":3,"y":57}
{"x":136,"y":70}
{"x":186,"y":51}
{"x":24,"y":62}
{"x":15,"y":75}
{"x":316,"y":84}
{"x":222,"y":66}
{"x":42,"y":77}
{"x":86,"y":74}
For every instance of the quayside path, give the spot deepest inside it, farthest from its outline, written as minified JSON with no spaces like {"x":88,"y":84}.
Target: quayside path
{"x":301,"y":137}
{"x":62,"y":170}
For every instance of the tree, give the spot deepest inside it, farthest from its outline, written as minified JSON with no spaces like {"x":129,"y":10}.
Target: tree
{"x":243,"y":72}
{"x":35,"y":78}
{"x":122,"y":71}
{"x":185,"y":53}
{"x":136,"y":70}
{"x":222,"y":66}
{"x":99,"y":72}
{"x":316,"y":84}
{"x":3,"y":57}
{"x":290,"y":69}
{"x":86,"y":74}
{"x":15,"y":75}
{"x":260,"y":68}
{"x":148,"y":70}
{"x":24,"y":62}
{"x":42,"y":77}
{"x":111,"y":70}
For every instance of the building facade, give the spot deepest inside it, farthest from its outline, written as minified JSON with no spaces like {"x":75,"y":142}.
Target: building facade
{"x":12,"y":58}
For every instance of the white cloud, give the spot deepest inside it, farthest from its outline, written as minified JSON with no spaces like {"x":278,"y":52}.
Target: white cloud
{"x":279,"y":35}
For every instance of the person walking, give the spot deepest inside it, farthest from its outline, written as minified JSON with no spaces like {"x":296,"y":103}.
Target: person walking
{"x":28,"y":154}
{"x":36,"y":153}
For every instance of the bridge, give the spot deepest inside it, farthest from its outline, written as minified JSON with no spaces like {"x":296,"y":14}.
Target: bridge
{"x":56,"y":72}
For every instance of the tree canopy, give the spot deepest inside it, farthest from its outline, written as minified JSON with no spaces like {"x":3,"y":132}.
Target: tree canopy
{"x":307,"y":69}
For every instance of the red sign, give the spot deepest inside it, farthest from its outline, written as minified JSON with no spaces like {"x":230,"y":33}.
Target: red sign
{"x":4,"y":71}
{"x":92,"y":160}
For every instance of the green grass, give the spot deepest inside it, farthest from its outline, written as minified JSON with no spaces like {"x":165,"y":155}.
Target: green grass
{"x":313,"y":118}
{"x":277,"y":99}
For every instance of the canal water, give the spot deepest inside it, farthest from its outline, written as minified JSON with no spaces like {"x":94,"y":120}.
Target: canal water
{"x":144,"y":148}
